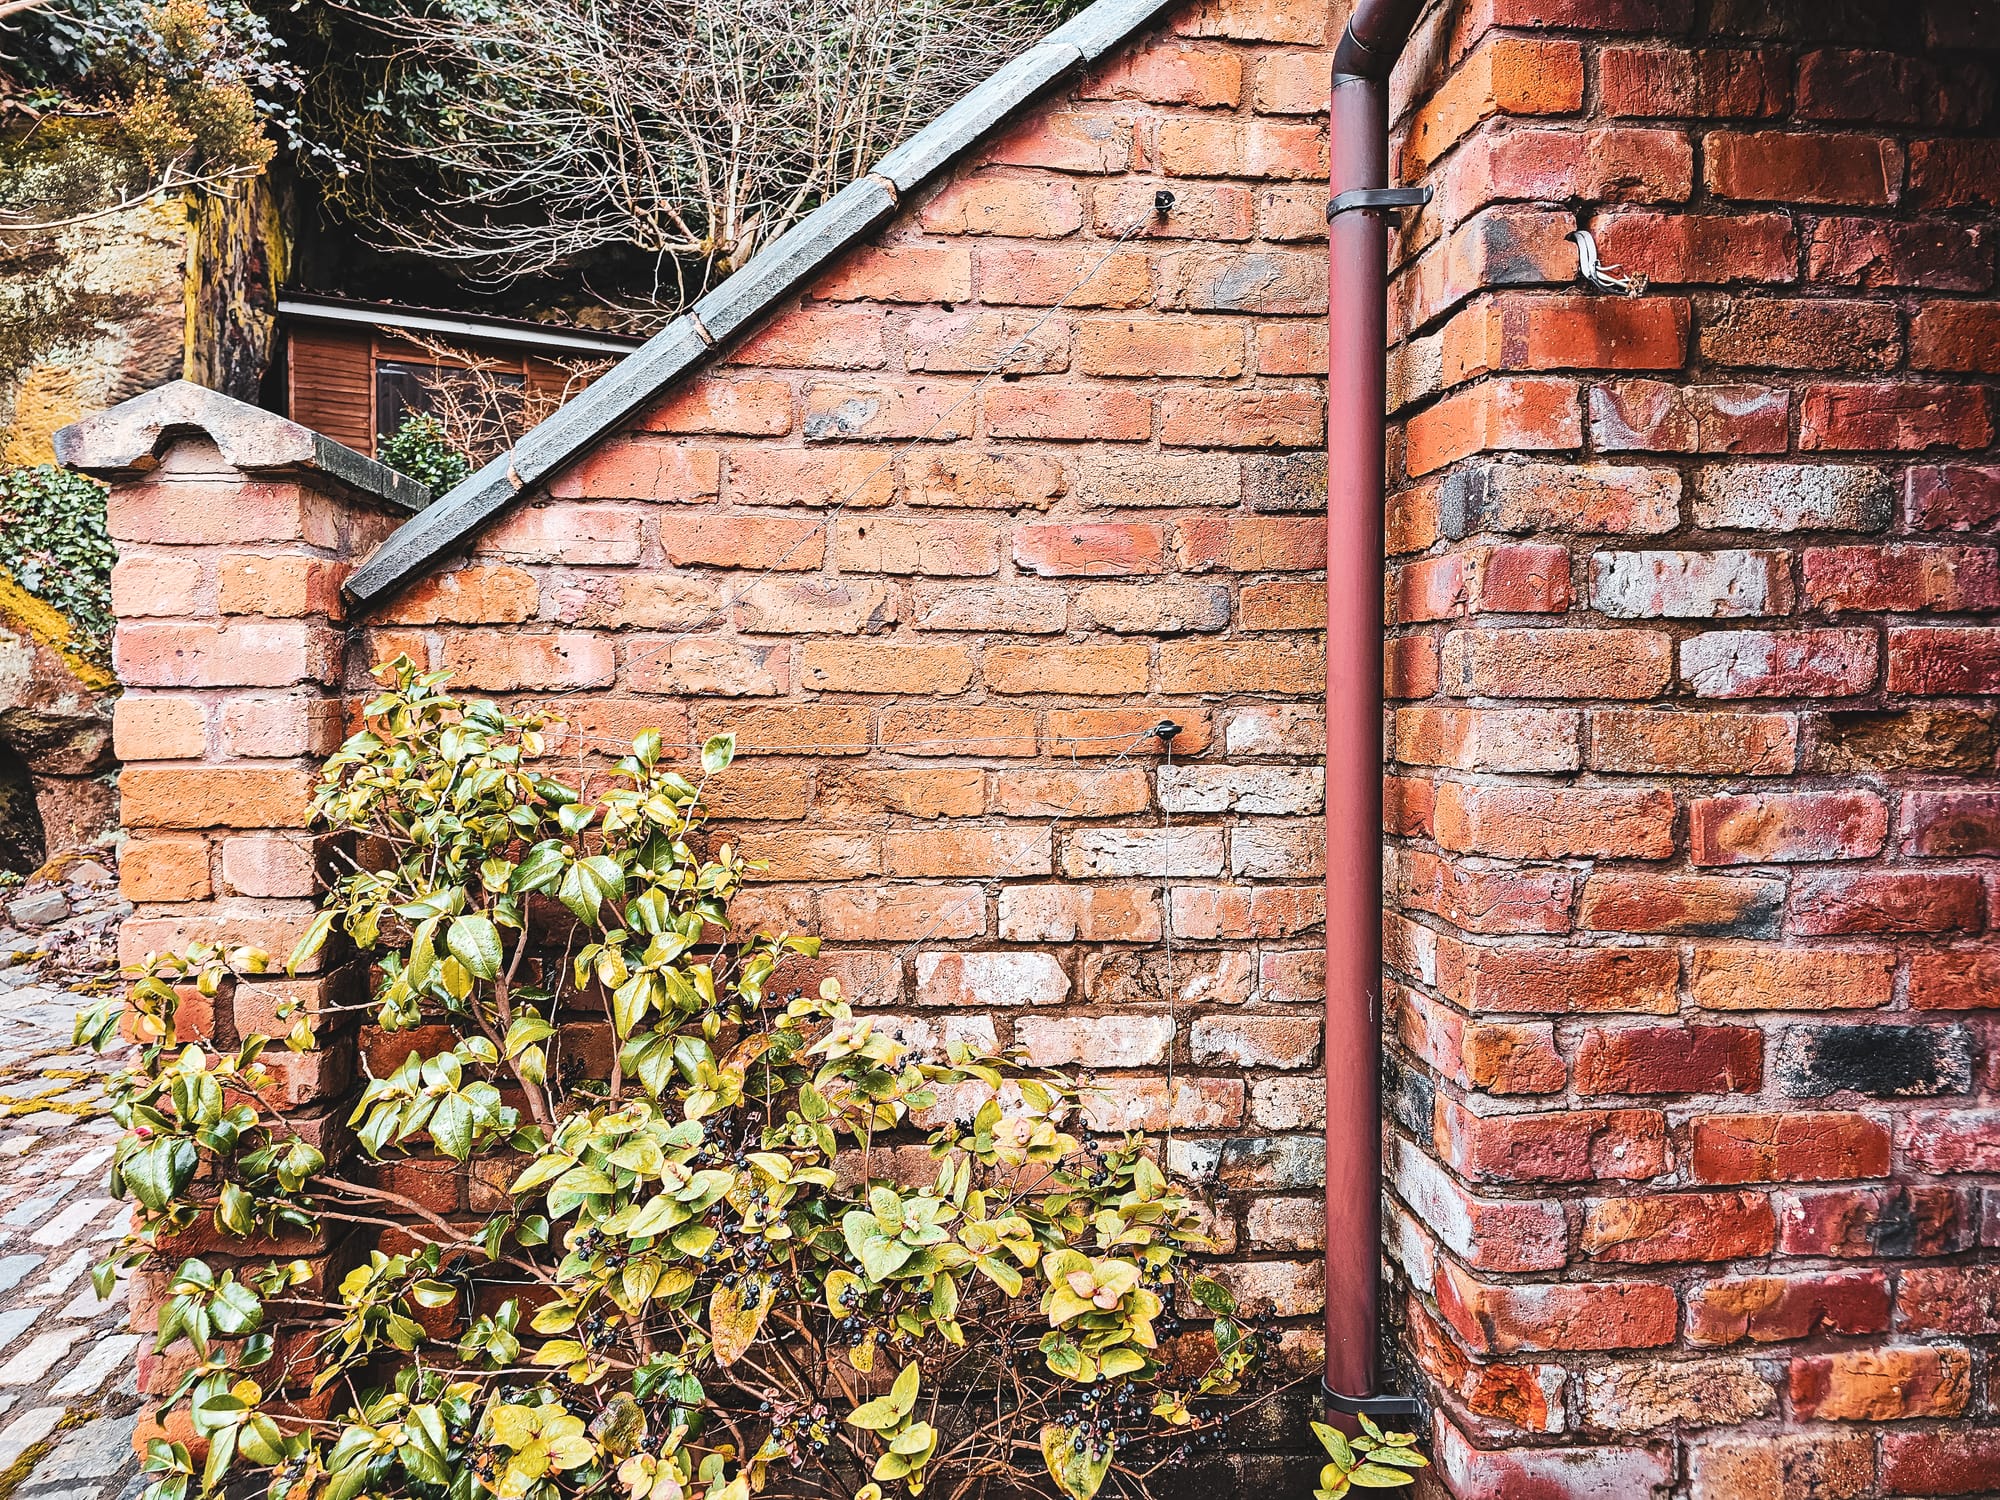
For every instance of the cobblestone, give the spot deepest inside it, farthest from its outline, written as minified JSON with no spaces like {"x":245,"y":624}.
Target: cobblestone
{"x":68,"y":1397}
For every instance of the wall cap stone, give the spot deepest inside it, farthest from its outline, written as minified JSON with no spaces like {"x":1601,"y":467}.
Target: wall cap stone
{"x":132,"y":437}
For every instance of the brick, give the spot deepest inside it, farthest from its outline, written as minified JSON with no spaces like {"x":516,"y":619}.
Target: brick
{"x":1622,"y":500}
{"x":1932,"y":661}
{"x":1523,"y":413}
{"x":1247,"y":911}
{"x":178,"y":512}
{"x":1019,"y":207}
{"x":1271,"y":790}
{"x":1668,"y":1227}
{"x":1275,"y":283}
{"x":899,"y":273}
{"x":1952,"y":497}
{"x":1201,"y":211}
{"x":163,"y":727}
{"x":1875,"y":253}
{"x":1724,"y":584}
{"x":1951,"y":1140}
{"x":1933,"y":739}
{"x":1762,"y":978}
{"x":1803,"y":333}
{"x":1162,"y":609}
{"x":1833,"y":904}
{"x":1676,"y":249}
{"x":1094,"y":853}
{"x":977,"y":342}
{"x":1250,"y":544}
{"x":888,"y":411}
{"x":1142,"y":1103}
{"x":1276,"y":1288}
{"x":1791,"y":167}
{"x":902,"y":913}
{"x":1063,"y":141}
{"x":1779,"y":663}
{"x":1794,"y":1147}
{"x":794,"y":476}
{"x":1043,"y":276}
{"x":274,"y":926}
{"x":1490,"y":739}
{"x":1093,"y":913}
{"x":279,"y":726}
{"x":1949,"y":1299}
{"x":957,"y":792}
{"x":215,"y":797}
{"x":976,"y":980}
{"x":466,"y":596}
{"x":1670,"y":1060}
{"x":1956,"y":1460}
{"x":1012,"y":610}
{"x":1878,"y":1060}
{"x":1953,"y":174}
{"x":1879,"y":1385}
{"x":1204,"y":418}
{"x":1961,"y":337}
{"x":158,"y":585}
{"x":932,"y":547}
{"x":1258,"y":149}
{"x":958,"y":731}
{"x":748,"y":408}
{"x":1903,"y":579}
{"x":262,"y":653}
{"x":1159,"y":346}
{"x":1840,"y":84}
{"x":1503,"y":76}
{"x":628,"y":468}
{"x":164,"y":869}
{"x":1068,"y":414}
{"x":765,"y":543}
{"x":1554,"y":822}
{"x":1031,"y":792}
{"x":986,"y":853}
{"x":1281,"y":667}
{"x":1908,"y":416}
{"x":1796,"y":497}
{"x":1173,"y":73}
{"x":785,"y":729}
{"x":1562,"y":980}
{"x":707,"y":666}
{"x":1507,"y":1319}
{"x":815,"y":606}
{"x":1579,"y":1145}
{"x":1484,"y":900}
{"x":1559,"y":1473}
{"x":1690,"y":905}
{"x":1953,"y":979}
{"x":1556,"y":663}
{"x":1780,"y":828}
{"x":1488,"y":1234}
{"x":1655,"y":416}
{"x":1679,"y":82}
{"x":1257,"y":21}
{"x":1523,"y":331}
{"x":1655,"y":1394}
{"x":579,"y":534}
{"x":278,"y":587}
{"x":1852,"y":1223}
{"x":1768,"y":1309}
{"x":512,"y":661}
{"x":1121,"y":1041}
{"x":1076,"y":733}
{"x":1554,"y":164}
{"x":1680,"y":743}
{"x":268,"y":865}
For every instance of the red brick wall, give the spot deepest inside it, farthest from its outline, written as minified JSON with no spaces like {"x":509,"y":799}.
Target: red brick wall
{"x":1692,"y":800}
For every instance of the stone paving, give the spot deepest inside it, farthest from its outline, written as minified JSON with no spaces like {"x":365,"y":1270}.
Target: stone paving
{"x":67,"y":1393}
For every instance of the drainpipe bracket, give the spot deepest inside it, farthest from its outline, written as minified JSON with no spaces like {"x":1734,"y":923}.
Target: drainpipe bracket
{"x":1361,"y":199}
{"x":1369,"y":1406}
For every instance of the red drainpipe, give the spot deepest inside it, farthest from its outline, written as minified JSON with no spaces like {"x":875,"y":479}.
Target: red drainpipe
{"x":1357,"y":254}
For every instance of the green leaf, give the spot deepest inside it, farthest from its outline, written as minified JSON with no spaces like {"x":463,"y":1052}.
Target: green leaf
{"x":1212,"y":1295}
{"x":540,"y":869}
{"x":451,"y":1126}
{"x":475,"y":942}
{"x":718,"y":753}
{"x":1079,"y":1475}
{"x":732,"y":1323}
{"x":589,"y":884}
{"x":1336,"y":1444}
{"x":235,"y":1309}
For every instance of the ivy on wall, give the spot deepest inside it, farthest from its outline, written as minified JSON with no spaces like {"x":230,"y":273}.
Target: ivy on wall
{"x":54,"y":543}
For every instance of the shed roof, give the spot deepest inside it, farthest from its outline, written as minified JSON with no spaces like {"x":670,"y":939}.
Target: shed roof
{"x":782,"y":267}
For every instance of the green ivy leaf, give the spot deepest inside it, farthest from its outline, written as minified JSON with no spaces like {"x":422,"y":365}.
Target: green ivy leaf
{"x":718,"y":753}
{"x":475,"y":942}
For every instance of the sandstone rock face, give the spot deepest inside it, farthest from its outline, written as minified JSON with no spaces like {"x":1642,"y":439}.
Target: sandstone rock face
{"x":55,"y":738}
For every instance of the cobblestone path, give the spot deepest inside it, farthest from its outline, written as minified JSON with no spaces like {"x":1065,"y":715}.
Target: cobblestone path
{"x":67,"y":1392}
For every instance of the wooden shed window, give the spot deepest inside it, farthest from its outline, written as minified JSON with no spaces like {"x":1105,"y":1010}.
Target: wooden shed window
{"x":406,"y":387}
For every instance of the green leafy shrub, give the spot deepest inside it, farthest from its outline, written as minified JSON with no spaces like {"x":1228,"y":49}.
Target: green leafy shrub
{"x":420,"y":448}
{"x":54,"y":542}
{"x":718,"y":1272}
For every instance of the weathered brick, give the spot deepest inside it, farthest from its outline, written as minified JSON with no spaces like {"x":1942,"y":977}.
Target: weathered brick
{"x":1018,"y":206}
{"x":1657,"y":416}
{"x":974,"y":980}
{"x":1908,"y":416}
{"x":1802,"y":167}
{"x":1670,"y":1060}
{"x":1866,"y":901}
{"x":1667,"y":1227}
{"x":1779,"y":663}
{"x":1691,"y":905}
{"x":1765,"y":978}
{"x":1728,"y":584}
{"x":1669,"y":742}
{"x":1796,"y":497}
{"x":1885,"y":1384}
{"x":1778,"y":828}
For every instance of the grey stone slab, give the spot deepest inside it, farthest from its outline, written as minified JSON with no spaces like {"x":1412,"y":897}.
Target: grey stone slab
{"x":1109,"y":24}
{"x":14,"y":1267}
{"x":26,"y":1430}
{"x":796,"y":256}
{"x":39,"y":1205}
{"x":96,"y":1450}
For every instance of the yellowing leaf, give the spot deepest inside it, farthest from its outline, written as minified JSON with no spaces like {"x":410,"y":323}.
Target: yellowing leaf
{"x":732,"y":1323}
